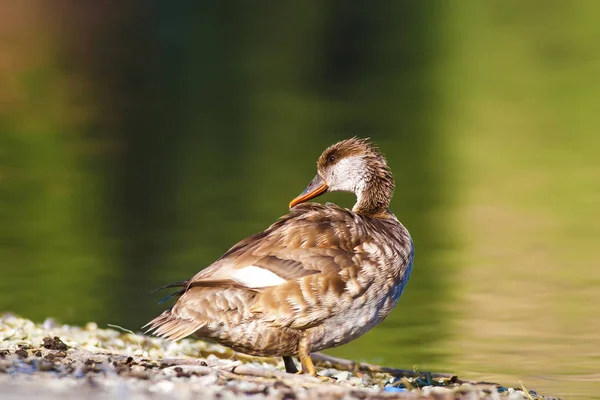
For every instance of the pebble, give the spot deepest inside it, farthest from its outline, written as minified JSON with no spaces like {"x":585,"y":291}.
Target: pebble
{"x":342,"y":375}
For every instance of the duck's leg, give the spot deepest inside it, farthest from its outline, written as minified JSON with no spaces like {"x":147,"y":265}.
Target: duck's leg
{"x":307,"y":364}
{"x":304,"y":355}
{"x":290,"y":367}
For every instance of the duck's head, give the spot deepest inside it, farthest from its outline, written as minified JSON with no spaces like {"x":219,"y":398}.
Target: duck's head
{"x":353,"y":165}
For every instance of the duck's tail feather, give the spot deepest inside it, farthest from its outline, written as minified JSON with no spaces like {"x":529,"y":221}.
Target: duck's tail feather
{"x":171,"y":285}
{"x":177,"y":293}
{"x":171,"y":327}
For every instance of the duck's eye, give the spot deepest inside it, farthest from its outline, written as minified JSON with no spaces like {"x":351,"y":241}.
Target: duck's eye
{"x":331,"y":158}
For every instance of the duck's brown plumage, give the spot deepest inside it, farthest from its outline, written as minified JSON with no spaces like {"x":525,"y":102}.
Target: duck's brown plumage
{"x":318,"y":277}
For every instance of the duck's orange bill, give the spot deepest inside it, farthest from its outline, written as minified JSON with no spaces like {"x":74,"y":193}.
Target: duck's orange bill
{"x":314,"y":189}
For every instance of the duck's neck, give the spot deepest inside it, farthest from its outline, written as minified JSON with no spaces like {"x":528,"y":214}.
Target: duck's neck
{"x":373,"y":199}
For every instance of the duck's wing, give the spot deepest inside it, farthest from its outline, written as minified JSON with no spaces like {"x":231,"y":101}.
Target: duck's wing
{"x":312,"y":239}
{"x":294,"y":274}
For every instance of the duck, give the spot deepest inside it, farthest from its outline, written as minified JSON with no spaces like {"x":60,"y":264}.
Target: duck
{"x":319,"y":277}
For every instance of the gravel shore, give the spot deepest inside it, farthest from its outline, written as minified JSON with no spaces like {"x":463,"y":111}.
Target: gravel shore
{"x":52,"y":361}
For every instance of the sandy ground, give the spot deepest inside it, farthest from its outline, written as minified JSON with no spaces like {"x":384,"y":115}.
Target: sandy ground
{"x":51,"y":361}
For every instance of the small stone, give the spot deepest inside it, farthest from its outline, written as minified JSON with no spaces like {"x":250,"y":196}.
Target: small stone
{"x":91,"y":326}
{"x":54,"y":355}
{"x":342,"y":375}
{"x":46,"y":365}
{"x":436,"y":390}
{"x":21,"y":353}
{"x":7,"y":334}
{"x":49,"y":323}
{"x":54,"y":343}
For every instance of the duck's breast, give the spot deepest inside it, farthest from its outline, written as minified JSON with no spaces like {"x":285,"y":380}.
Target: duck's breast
{"x":385,"y":266}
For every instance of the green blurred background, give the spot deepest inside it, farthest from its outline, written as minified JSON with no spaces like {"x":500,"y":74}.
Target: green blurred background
{"x":139,"y":140}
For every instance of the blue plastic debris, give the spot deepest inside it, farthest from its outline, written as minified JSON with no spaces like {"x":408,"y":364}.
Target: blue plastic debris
{"x":394,"y":389}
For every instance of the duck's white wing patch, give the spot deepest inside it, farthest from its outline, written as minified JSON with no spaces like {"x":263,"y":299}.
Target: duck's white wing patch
{"x":256,"y":277}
